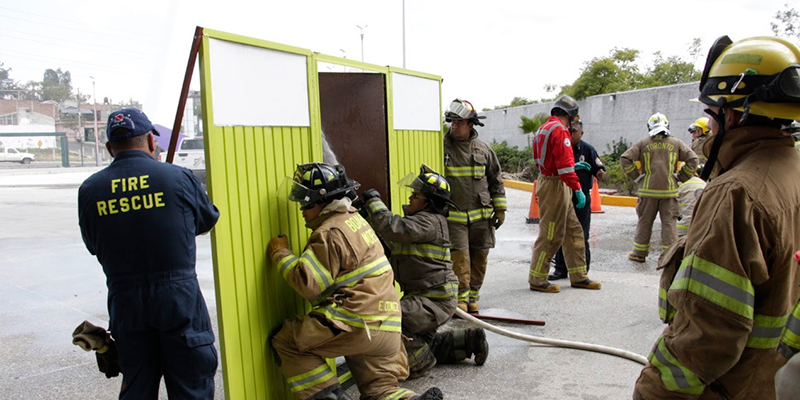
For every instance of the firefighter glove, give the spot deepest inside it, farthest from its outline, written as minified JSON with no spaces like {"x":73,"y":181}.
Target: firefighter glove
{"x":108,"y":360}
{"x":277,"y":243}
{"x":498,"y":218}
{"x":91,"y":337}
{"x":370,"y":193}
{"x":582,"y":166}
{"x":581,"y":199}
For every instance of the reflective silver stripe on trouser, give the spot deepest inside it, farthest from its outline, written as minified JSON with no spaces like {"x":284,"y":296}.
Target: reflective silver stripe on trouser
{"x":546,"y":132}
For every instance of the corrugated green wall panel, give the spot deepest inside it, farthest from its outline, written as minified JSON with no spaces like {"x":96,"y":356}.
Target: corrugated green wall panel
{"x":407,"y":150}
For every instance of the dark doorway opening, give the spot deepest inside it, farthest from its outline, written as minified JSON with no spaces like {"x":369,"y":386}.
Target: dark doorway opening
{"x":353,"y":113}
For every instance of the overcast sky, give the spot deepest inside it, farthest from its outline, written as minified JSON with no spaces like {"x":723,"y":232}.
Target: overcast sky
{"x":486,"y":51}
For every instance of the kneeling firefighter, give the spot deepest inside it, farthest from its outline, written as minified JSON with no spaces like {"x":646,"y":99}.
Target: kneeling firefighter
{"x":355,"y":308}
{"x":420,"y":247}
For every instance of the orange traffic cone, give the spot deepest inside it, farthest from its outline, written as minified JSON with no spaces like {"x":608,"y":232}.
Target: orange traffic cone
{"x":533,"y":212}
{"x":596,"y":209}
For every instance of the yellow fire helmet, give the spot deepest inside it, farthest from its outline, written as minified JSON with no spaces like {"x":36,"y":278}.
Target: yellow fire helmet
{"x":758,"y":75}
{"x":701,"y":123}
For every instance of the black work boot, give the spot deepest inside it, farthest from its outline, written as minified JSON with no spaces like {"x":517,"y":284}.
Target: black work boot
{"x":420,"y":361}
{"x":333,"y":392}
{"x":477,"y":345}
{"x":431,"y":394}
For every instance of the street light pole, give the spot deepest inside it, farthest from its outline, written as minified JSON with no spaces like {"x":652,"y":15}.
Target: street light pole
{"x":96,"y":132}
{"x":404,"y":33}
{"x":362,"y":40}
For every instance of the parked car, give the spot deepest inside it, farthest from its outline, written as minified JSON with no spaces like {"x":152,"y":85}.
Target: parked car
{"x":13,"y":155}
{"x":190,"y":154}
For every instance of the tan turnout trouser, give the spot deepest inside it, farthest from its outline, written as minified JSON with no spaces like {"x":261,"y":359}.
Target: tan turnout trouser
{"x":647,"y":208}
{"x":558,"y":226}
{"x":377,"y":360}
{"x":469,"y":252}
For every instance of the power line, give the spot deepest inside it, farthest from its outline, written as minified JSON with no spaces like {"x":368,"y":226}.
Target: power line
{"x":78,"y":48}
{"x":71,"y":41}
{"x":74,"y":63}
{"x":79,"y":30}
{"x":68,"y":20}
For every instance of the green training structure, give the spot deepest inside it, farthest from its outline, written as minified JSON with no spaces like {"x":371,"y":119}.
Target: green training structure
{"x":264,"y":109}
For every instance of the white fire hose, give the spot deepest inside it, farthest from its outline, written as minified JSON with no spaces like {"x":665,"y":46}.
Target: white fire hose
{"x":553,"y":342}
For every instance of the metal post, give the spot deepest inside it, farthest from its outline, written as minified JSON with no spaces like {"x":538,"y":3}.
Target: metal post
{"x":96,"y":132}
{"x":344,"y":55}
{"x":80,"y":128}
{"x":362,"y":40}
{"x":404,"y":33}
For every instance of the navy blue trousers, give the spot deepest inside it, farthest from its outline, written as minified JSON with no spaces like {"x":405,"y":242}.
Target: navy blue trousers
{"x":162,"y":328}
{"x":585,"y":218}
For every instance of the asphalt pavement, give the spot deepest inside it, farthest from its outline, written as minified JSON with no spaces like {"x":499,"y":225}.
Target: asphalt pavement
{"x":49,"y":283}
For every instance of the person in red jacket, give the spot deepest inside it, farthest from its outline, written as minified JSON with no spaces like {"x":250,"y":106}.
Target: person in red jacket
{"x":557,"y":185}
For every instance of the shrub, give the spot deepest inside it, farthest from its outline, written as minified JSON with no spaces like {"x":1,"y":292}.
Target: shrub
{"x":515,"y":161}
{"x":615,"y":177}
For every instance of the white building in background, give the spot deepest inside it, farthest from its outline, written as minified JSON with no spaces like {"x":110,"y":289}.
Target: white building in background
{"x":25,"y":116}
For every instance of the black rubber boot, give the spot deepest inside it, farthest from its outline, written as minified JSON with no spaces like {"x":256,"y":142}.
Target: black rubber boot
{"x":477,"y":345}
{"x":431,"y":394}
{"x":420,"y":360}
{"x":333,"y":392}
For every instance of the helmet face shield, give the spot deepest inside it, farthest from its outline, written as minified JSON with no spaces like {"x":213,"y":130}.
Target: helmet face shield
{"x":462,"y":110}
{"x":714,"y":52}
{"x":787,"y":84}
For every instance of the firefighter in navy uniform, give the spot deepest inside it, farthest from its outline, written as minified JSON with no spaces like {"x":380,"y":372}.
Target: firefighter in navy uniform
{"x":140,"y":218}
{"x":472,"y":168}
{"x":355,"y":308}
{"x":732,"y":323}
{"x":420,"y":247}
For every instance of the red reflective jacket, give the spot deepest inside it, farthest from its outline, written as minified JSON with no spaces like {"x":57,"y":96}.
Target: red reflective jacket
{"x":552,"y":152}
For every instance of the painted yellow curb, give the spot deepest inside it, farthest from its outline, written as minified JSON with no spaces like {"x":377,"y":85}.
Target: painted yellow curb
{"x":621,"y":201}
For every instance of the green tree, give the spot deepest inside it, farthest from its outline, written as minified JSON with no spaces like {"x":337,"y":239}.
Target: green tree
{"x":786,"y":23}
{"x":515,"y":102}
{"x":531,"y":125}
{"x":56,"y":85}
{"x":669,"y":71}
{"x":617,"y":72}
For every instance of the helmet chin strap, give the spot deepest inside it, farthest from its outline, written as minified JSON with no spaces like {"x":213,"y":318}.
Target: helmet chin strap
{"x":712,"y":158}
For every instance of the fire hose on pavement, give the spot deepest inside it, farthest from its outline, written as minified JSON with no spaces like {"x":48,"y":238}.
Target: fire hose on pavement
{"x":553,"y":342}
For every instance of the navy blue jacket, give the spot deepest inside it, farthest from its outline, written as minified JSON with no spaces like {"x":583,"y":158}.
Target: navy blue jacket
{"x":585,"y":152}
{"x":140,"y":216}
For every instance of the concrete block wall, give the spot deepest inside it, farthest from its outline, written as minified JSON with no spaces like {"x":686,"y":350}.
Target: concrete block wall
{"x":607,"y":117}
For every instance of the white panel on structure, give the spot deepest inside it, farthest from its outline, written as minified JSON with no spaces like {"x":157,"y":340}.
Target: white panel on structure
{"x":415,"y":103}
{"x":254,"y":86}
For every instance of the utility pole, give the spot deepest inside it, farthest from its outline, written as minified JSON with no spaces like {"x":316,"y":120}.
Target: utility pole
{"x":362,"y":40}
{"x":80,"y":129}
{"x":344,"y":55}
{"x":404,"y":33}
{"x":96,"y":132}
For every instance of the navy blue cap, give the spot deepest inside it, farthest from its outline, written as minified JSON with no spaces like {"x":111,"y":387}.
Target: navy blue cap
{"x":132,"y":121}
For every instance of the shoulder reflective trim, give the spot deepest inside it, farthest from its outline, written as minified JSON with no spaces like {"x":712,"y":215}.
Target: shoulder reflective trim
{"x":712,"y":282}
{"x":445,"y":291}
{"x":790,"y":341}
{"x":458,"y":217}
{"x":377,"y":206}
{"x":321,"y":274}
{"x":545,"y":130}
{"x":563,"y":171}
{"x":387,"y":323}
{"x":374,"y":268}
{"x":766,"y":332}
{"x":422,"y":250}
{"x":310,"y":379}
{"x":287,"y":263}
{"x":499,"y":202}
{"x":665,"y":310}
{"x":399,"y":394}
{"x":674,"y":375}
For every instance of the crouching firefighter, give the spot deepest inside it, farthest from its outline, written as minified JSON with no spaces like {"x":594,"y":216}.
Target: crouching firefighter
{"x":349,"y":282}
{"x":420,"y":246}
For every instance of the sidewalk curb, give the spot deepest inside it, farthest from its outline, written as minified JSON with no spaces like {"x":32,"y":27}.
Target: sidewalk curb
{"x":606,"y":200}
